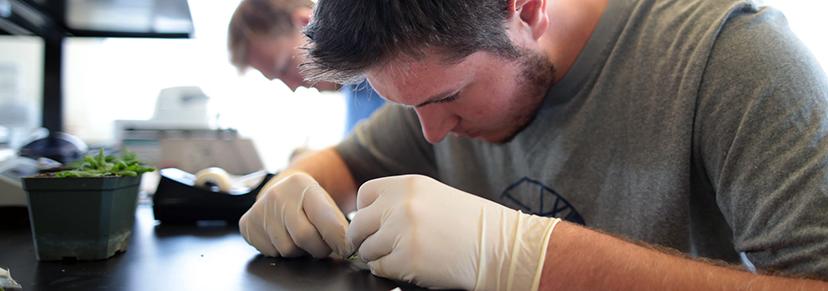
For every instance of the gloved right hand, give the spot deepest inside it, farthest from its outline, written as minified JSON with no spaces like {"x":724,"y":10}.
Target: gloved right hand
{"x":293,"y":217}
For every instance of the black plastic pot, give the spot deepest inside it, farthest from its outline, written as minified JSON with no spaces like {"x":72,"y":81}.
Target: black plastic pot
{"x":81,"y":218}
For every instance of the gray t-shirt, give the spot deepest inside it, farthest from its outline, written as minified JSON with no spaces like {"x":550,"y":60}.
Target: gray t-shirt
{"x":698,"y":125}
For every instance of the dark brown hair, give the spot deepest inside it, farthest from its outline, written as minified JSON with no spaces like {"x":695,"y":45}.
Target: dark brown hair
{"x":348,"y":37}
{"x":259,"y":17}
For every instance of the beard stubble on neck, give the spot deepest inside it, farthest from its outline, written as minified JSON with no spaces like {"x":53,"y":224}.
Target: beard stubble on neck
{"x":537,"y":76}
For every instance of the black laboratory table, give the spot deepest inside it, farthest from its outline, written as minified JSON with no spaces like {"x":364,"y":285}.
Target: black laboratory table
{"x":180,"y":257}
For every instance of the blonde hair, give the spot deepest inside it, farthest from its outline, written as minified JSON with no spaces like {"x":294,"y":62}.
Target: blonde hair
{"x":259,"y":17}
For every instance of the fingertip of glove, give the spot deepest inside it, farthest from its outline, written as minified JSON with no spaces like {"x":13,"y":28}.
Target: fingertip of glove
{"x":341,"y":251}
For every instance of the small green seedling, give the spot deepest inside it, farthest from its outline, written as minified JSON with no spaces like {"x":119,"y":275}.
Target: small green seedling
{"x":357,"y":262}
{"x":102,"y":165}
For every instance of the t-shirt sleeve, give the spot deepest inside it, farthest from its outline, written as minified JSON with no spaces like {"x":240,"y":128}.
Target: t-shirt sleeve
{"x":762,"y":137}
{"x":389,"y":143}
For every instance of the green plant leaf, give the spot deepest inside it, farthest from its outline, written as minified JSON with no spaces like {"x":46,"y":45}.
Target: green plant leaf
{"x":102,"y":165}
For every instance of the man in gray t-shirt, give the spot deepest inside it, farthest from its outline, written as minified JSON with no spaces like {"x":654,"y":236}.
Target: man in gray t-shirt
{"x":696,"y":125}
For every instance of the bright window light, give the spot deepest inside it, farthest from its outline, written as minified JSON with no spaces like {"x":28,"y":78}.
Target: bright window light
{"x":119,"y":79}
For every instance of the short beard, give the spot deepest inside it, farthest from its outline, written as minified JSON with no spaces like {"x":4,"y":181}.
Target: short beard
{"x":537,"y":75}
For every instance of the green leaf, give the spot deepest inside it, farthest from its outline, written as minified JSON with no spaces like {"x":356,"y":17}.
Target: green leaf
{"x":89,"y":162}
{"x":101,"y":157}
{"x":128,"y":173}
{"x":102,"y":165}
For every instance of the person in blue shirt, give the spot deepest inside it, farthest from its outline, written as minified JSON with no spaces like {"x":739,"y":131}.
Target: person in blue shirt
{"x":361,"y":101}
{"x":267,"y":36}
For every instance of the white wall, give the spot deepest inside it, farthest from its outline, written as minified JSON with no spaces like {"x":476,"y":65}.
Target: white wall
{"x":21,"y":90}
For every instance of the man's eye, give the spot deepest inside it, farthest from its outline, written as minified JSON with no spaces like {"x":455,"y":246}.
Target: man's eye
{"x":448,"y":99}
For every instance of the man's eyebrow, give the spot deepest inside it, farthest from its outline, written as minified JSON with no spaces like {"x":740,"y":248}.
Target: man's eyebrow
{"x":437,"y":98}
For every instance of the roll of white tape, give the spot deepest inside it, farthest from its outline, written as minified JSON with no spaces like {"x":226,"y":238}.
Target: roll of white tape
{"x":215,"y":176}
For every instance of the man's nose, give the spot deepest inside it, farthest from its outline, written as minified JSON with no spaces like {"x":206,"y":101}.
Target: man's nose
{"x":436,"y":123}
{"x":270,"y":75}
{"x":293,"y":85}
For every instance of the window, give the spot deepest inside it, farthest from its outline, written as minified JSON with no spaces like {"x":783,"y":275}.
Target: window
{"x":21,"y":74}
{"x":119,"y":79}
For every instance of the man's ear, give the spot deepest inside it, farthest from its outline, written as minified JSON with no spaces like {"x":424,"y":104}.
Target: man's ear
{"x":532,"y":13}
{"x":301,"y":16}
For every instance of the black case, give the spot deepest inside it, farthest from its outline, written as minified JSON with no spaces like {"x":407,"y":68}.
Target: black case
{"x":178,"y":201}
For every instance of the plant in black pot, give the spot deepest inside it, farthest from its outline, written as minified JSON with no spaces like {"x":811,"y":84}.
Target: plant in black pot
{"x":87,"y":212}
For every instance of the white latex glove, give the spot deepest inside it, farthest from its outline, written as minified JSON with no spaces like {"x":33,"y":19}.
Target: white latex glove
{"x":416,"y":229}
{"x":295,"y":216}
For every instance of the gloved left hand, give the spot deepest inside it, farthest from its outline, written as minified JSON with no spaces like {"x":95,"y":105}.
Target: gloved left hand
{"x":293,"y":217}
{"x":416,"y":229}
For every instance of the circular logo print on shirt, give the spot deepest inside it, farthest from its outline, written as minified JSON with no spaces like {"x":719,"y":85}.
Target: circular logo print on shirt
{"x":534,"y":197}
